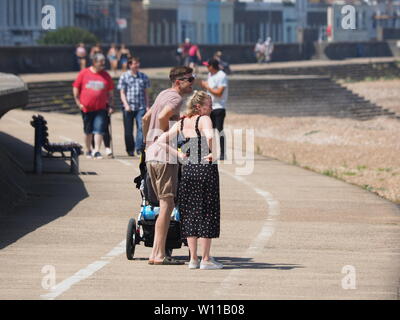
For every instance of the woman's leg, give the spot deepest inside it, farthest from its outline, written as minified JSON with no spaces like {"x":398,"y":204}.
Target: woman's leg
{"x":192,"y":243}
{"x":205,"y":248}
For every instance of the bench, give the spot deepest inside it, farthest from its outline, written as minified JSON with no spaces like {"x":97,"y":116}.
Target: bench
{"x":42,"y":142}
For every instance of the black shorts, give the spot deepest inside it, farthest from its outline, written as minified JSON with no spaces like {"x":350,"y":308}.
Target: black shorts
{"x":95,"y":122}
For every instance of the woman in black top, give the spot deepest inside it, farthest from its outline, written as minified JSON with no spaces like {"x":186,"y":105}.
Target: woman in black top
{"x":199,"y":200}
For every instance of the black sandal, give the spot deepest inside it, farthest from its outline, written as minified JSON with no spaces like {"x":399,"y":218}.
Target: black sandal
{"x":168,"y":261}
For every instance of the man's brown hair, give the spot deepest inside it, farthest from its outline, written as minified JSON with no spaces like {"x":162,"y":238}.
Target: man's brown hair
{"x":130,"y":60}
{"x":179,"y":72}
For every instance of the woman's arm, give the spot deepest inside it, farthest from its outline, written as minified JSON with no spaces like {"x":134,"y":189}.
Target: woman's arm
{"x":161,"y":145}
{"x":205,"y":126}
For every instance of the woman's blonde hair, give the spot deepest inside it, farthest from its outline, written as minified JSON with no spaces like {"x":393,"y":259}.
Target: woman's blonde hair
{"x":197,"y":98}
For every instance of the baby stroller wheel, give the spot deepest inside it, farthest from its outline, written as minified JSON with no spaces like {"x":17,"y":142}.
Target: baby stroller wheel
{"x":131,"y":239}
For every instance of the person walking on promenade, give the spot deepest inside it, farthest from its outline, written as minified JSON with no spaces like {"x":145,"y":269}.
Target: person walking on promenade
{"x":194,"y":57}
{"x":123,"y":56}
{"x":93,"y":90}
{"x":112,"y":57}
{"x":259,"y":51}
{"x":217,"y":87}
{"x":163,"y":173}
{"x":269,"y":49}
{"x":81,"y":56}
{"x":185,"y":52}
{"x":133,"y":86}
{"x":223,"y":65}
{"x":199,"y":196}
{"x":95,"y":50}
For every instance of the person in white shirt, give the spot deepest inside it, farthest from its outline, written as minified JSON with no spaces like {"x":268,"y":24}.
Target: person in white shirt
{"x":217,"y":87}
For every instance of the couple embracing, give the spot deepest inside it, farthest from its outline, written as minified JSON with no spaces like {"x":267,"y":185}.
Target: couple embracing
{"x":199,"y":201}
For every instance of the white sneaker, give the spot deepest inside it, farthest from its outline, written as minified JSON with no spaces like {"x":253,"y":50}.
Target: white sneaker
{"x":210,"y":265}
{"x":109,"y":152}
{"x":194,"y":264}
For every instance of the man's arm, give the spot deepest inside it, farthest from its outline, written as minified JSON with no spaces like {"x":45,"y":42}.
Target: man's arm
{"x":218,"y":92}
{"x":111,"y":100}
{"x":145,"y":124}
{"x":124,"y":100}
{"x":75,"y":92}
{"x":164,"y":117}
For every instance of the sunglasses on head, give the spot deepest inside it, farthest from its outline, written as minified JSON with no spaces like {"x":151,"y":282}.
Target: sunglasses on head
{"x":190,"y":79}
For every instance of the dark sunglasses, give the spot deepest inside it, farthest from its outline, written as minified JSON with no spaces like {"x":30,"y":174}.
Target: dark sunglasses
{"x":190,"y":79}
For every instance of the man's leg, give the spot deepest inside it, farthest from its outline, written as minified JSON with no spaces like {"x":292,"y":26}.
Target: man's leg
{"x":139,"y":130}
{"x":99,"y":128}
{"x":88,"y":142}
{"x":161,"y":228}
{"x":128,"y":131}
{"x":98,"y":139}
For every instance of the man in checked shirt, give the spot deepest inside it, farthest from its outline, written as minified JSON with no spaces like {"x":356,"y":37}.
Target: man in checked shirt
{"x":133,"y":86}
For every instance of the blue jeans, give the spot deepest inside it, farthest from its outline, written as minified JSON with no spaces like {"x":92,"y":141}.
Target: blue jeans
{"x":95,"y":122}
{"x":129,"y":117}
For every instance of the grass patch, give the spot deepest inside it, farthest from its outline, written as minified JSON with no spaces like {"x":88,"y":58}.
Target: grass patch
{"x":367,"y":187}
{"x":384,"y":169}
{"x":311,"y":132}
{"x":330,"y":173}
{"x":362,"y":167}
{"x":349,"y":173}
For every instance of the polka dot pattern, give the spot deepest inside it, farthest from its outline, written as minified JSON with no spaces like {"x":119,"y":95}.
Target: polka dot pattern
{"x":199,"y":199}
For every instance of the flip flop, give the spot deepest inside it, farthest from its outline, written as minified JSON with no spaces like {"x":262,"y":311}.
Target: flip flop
{"x":168,"y":261}
{"x":151,"y":262}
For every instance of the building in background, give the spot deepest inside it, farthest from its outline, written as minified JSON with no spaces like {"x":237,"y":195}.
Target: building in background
{"x":21,"y":20}
{"x":107,"y":19}
{"x":169,"y":22}
{"x":160,"y":22}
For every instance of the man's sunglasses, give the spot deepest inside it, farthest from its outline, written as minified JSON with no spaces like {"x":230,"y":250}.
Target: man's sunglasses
{"x":190,"y":79}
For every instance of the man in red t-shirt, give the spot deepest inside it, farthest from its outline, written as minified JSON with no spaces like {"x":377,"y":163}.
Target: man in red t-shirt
{"x":93,"y":91}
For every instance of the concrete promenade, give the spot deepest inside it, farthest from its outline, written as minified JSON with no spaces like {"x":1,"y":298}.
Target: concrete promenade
{"x":286,"y":233}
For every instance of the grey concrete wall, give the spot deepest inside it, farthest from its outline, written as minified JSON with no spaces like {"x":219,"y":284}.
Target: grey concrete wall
{"x":13,"y":93}
{"x":45,"y":59}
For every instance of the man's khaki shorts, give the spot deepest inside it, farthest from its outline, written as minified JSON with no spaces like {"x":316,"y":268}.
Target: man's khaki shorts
{"x":164,"y":178}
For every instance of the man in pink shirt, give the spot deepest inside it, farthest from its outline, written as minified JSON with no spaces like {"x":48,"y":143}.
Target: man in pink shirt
{"x":93,"y":91}
{"x":162,"y":172}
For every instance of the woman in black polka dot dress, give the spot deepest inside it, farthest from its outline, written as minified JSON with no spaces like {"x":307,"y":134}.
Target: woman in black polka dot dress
{"x":199,"y":200}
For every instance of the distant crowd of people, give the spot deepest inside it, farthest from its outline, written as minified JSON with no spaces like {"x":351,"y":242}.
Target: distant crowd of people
{"x":188,"y":54}
{"x":116,"y":56}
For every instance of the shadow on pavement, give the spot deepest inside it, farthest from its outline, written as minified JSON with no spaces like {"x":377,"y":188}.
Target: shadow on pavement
{"x":49,"y":196}
{"x":246,"y":263}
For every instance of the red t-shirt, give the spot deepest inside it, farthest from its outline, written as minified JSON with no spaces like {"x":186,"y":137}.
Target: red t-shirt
{"x":93,"y":89}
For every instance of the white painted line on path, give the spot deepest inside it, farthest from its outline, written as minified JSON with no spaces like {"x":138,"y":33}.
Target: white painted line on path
{"x":84,"y":273}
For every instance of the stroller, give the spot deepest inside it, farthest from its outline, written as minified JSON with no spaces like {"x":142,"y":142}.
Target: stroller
{"x":143,"y":230}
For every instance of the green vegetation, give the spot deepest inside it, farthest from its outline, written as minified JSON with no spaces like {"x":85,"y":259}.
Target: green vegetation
{"x":384,"y":169}
{"x":68,"y":35}
{"x":330,"y":173}
{"x":349,"y":173}
{"x":311,"y":132}
{"x":362,"y":167}
{"x":367,"y":187}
